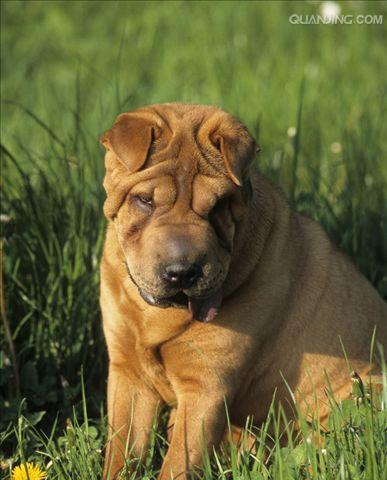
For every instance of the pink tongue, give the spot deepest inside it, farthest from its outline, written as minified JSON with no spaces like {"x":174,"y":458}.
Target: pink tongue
{"x":205,"y":309}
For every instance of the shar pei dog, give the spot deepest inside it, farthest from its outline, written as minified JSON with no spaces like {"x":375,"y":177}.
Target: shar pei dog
{"x":213,"y":290}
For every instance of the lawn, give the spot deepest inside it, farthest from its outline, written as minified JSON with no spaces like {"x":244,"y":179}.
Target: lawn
{"x":314,"y":96}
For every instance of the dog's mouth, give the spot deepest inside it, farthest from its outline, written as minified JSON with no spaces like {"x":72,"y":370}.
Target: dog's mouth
{"x":201,"y":309}
{"x":180,"y":300}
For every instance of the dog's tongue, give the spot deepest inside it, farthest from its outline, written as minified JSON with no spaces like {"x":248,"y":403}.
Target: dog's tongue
{"x":205,"y":309}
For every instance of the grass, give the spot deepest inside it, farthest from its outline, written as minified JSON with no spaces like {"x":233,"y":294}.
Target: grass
{"x":351,"y":446}
{"x":314,"y":97}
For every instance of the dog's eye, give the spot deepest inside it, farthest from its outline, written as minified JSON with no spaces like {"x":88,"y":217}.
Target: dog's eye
{"x":221,"y":222}
{"x":143,"y":201}
{"x":220,"y":205}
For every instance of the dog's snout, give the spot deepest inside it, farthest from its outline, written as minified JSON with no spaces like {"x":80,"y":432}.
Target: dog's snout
{"x":182,"y":275}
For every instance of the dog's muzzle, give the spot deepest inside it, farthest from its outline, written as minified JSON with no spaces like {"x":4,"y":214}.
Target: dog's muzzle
{"x":201,"y":309}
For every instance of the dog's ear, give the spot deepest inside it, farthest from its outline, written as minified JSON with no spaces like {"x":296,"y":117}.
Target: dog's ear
{"x":238,"y":150}
{"x":130,"y":140}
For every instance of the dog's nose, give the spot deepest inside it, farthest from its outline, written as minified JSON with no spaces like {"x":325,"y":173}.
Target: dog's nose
{"x":182,"y":275}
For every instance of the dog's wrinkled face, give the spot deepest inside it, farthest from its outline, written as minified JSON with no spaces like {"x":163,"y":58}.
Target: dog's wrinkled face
{"x":174,"y":177}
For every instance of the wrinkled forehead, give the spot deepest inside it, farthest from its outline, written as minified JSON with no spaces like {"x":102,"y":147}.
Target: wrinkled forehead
{"x":184,"y":143}
{"x":183,"y":151}
{"x":182,"y":164}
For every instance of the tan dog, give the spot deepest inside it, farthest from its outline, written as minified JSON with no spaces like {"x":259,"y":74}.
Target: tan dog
{"x":213,"y":289}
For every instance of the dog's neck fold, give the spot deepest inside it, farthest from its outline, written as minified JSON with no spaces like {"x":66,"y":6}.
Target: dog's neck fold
{"x":251,"y":237}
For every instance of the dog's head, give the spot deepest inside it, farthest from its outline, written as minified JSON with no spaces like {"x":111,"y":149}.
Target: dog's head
{"x":177,"y":185}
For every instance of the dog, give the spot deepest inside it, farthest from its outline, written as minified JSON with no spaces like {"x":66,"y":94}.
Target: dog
{"x":213,"y":290}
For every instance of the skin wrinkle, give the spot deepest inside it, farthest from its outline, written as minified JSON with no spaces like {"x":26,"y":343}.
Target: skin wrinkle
{"x":213,"y":161}
{"x":163,"y":118}
{"x":208,"y":154}
{"x":117,"y":191}
{"x":185,"y":172}
{"x":261,"y":225}
{"x":196,"y":127}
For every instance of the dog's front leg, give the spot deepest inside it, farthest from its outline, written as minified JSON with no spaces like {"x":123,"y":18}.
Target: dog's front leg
{"x":199,"y":425}
{"x":132,"y":407}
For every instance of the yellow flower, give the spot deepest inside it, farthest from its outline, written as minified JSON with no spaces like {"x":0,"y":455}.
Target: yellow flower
{"x":28,"y":471}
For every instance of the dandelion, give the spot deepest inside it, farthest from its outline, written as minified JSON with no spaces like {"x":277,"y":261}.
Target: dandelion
{"x":28,"y":471}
